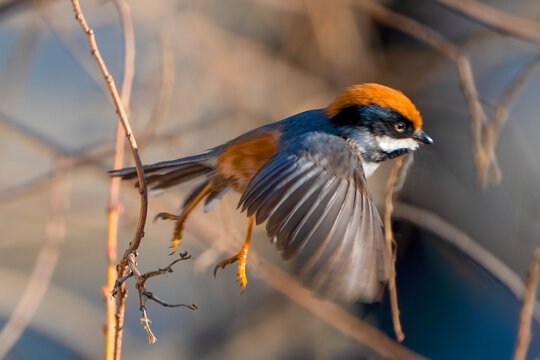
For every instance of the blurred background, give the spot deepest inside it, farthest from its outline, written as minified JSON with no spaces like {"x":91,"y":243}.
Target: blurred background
{"x":206,"y":71}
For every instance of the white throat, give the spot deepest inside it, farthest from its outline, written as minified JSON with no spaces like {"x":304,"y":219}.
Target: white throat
{"x":369,"y":167}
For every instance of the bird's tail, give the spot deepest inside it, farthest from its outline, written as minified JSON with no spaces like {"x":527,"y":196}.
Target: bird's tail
{"x":165,"y":174}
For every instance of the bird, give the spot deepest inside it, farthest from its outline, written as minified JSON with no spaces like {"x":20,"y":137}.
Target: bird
{"x":305,"y":176}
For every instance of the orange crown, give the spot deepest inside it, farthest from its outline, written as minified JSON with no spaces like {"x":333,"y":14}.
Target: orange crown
{"x":369,"y":94}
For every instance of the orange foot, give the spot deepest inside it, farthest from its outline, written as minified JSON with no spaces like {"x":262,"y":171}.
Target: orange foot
{"x":241,"y":257}
{"x":177,"y":237}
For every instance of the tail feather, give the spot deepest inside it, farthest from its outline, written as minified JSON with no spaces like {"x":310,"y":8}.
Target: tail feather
{"x":165,"y":174}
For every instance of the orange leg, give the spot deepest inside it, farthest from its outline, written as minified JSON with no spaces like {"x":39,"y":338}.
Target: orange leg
{"x":181,"y":219}
{"x":241,"y":257}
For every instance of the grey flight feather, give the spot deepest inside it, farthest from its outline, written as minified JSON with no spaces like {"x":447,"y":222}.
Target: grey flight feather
{"x":312,"y":194}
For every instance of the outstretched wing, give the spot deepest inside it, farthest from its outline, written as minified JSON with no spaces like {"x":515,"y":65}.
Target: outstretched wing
{"x":312,"y":194}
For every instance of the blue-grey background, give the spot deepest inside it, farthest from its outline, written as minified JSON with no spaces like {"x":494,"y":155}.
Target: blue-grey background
{"x":237,"y":65}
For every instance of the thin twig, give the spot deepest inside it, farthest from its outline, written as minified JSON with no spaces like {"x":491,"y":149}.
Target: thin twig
{"x":113,"y":338}
{"x":122,"y":115}
{"x":527,"y":310}
{"x":145,"y":295}
{"x":121,"y":112}
{"x":389,"y":236}
{"x":511,"y":24}
{"x":44,"y":266}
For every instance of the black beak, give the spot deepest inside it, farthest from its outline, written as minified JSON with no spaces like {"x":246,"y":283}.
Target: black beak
{"x":422,"y":137}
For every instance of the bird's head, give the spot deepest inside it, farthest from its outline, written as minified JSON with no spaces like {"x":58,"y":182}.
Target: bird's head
{"x":380,"y":121}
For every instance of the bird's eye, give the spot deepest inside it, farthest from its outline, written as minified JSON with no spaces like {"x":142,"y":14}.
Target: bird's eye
{"x":399,"y":126}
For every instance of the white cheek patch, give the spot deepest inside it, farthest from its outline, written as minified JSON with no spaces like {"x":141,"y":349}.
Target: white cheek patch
{"x":388,"y":144}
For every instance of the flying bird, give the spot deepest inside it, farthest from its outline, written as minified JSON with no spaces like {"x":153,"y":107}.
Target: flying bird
{"x":305,"y":176}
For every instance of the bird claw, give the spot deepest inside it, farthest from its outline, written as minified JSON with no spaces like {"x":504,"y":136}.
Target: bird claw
{"x":174,"y":244}
{"x":166,"y":216}
{"x":241,"y":273}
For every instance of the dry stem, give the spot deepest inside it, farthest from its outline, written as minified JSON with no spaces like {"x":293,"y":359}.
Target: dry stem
{"x":524,"y":332}
{"x":113,"y":338}
{"x":389,"y":236}
{"x":144,"y":294}
{"x":121,"y":112}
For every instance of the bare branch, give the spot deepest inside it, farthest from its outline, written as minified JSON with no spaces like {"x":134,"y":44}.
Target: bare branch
{"x":121,"y":112}
{"x":115,"y":310}
{"x":152,"y":297}
{"x":145,"y":295}
{"x":389,"y":236}
{"x":527,"y":310}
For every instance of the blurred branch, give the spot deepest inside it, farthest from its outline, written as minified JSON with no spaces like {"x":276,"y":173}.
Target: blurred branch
{"x":33,"y":138}
{"x":499,"y":20}
{"x":463,"y":242}
{"x":44,"y":266}
{"x":113,"y":333}
{"x":529,"y":301}
{"x":17,"y":67}
{"x":90,"y":155}
{"x":62,"y":31}
{"x":121,"y":112}
{"x":167,"y":86}
{"x":11,"y":5}
{"x":389,"y":236}
{"x":508,"y":97}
